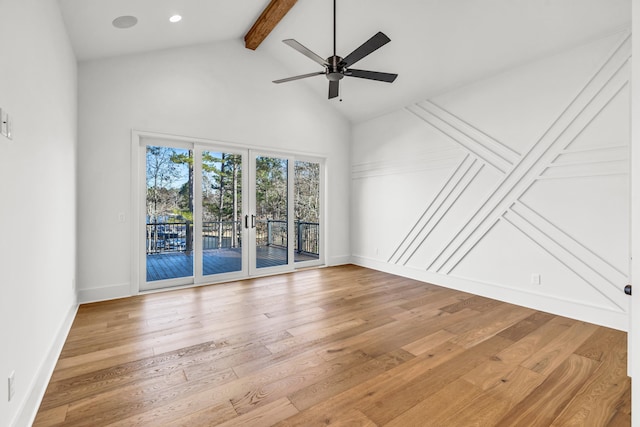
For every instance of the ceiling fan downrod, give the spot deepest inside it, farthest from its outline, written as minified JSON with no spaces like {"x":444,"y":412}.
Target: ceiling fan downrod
{"x":334,"y":28}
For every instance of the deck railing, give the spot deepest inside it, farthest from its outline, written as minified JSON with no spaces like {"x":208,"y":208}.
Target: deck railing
{"x":307,"y":237}
{"x":221,"y":234}
{"x":173,"y":237}
{"x":273,"y":232}
{"x":167,"y":237}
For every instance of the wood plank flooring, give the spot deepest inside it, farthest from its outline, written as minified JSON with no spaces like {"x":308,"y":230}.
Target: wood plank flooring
{"x":341,"y":346}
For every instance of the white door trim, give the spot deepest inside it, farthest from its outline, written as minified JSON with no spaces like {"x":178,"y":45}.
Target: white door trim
{"x":138,"y":186}
{"x":634,"y":315}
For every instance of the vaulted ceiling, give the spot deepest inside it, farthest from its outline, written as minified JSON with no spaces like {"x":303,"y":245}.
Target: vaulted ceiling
{"x":436,"y":45}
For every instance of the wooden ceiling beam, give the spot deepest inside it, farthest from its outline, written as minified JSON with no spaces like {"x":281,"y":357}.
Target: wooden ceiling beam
{"x":270,"y":17}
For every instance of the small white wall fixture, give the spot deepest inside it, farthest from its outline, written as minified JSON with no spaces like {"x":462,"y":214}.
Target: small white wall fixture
{"x":514,"y":187}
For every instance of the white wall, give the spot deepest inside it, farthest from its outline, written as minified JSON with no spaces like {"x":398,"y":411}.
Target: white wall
{"x":38,"y":200}
{"x":220,"y":92}
{"x":521,"y":174}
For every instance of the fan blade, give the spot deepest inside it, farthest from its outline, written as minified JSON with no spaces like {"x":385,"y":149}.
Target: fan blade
{"x":303,"y":76}
{"x":333,"y":88}
{"x":306,"y":52}
{"x":371,"y":75}
{"x":371,"y":45}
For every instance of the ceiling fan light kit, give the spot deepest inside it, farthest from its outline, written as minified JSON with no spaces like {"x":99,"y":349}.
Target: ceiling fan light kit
{"x":336,"y":67}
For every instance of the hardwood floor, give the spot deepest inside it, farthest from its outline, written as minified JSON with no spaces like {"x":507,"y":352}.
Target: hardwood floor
{"x":341,"y":346}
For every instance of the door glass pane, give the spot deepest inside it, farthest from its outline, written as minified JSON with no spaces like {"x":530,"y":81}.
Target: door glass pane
{"x":307,"y":210}
{"x":221,"y":212}
{"x":271,"y":212}
{"x":169,"y":230}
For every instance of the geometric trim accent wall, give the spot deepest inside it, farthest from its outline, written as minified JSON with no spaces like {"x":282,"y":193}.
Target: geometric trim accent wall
{"x":461,"y":214}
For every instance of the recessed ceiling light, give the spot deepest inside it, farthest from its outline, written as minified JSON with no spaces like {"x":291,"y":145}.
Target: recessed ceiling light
{"x":125,"y":21}
{"x":175,"y":18}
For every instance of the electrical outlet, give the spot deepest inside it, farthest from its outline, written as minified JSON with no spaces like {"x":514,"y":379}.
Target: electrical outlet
{"x":11,"y":385}
{"x":122,"y":217}
{"x":535,"y":279}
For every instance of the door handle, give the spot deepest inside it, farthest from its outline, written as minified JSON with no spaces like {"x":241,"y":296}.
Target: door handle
{"x":246,"y":221}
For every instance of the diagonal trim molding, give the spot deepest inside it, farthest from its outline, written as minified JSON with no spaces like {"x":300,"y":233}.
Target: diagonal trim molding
{"x":591,"y":268}
{"x":438,"y":208}
{"x":520,"y":183}
{"x":608,"y":81}
{"x":475,"y":146}
{"x":487,"y":142}
{"x":553,"y":156}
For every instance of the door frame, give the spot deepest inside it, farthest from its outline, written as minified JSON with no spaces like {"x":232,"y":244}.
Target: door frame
{"x":199,"y":277}
{"x":140,"y":220}
{"x":633,"y":335}
{"x":138,"y":199}
{"x":290,"y":265}
{"x":321,"y":214}
{"x":139,"y":279}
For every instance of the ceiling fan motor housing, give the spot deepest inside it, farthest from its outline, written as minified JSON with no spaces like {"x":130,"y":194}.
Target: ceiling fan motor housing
{"x":335,"y":71}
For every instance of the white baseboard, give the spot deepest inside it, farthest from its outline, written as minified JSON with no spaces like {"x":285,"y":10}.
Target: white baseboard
{"x":27,"y":413}
{"x":572,"y":309}
{"x":103,"y":294}
{"x":339,"y":260}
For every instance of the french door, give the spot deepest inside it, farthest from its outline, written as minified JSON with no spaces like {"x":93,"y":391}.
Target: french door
{"x":214,"y":213}
{"x":270,"y":210}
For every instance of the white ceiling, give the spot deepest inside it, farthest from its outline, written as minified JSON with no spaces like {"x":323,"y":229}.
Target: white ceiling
{"x":436,"y":45}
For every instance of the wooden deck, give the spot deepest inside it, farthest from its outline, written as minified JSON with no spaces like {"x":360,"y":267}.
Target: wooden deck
{"x":179,"y":264}
{"x":340,"y":346}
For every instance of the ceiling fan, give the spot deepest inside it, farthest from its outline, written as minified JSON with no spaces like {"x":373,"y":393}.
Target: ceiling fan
{"x":336,"y":67}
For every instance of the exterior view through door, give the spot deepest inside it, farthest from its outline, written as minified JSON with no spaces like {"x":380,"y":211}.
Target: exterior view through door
{"x":271,"y":224}
{"x":211,"y":215}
